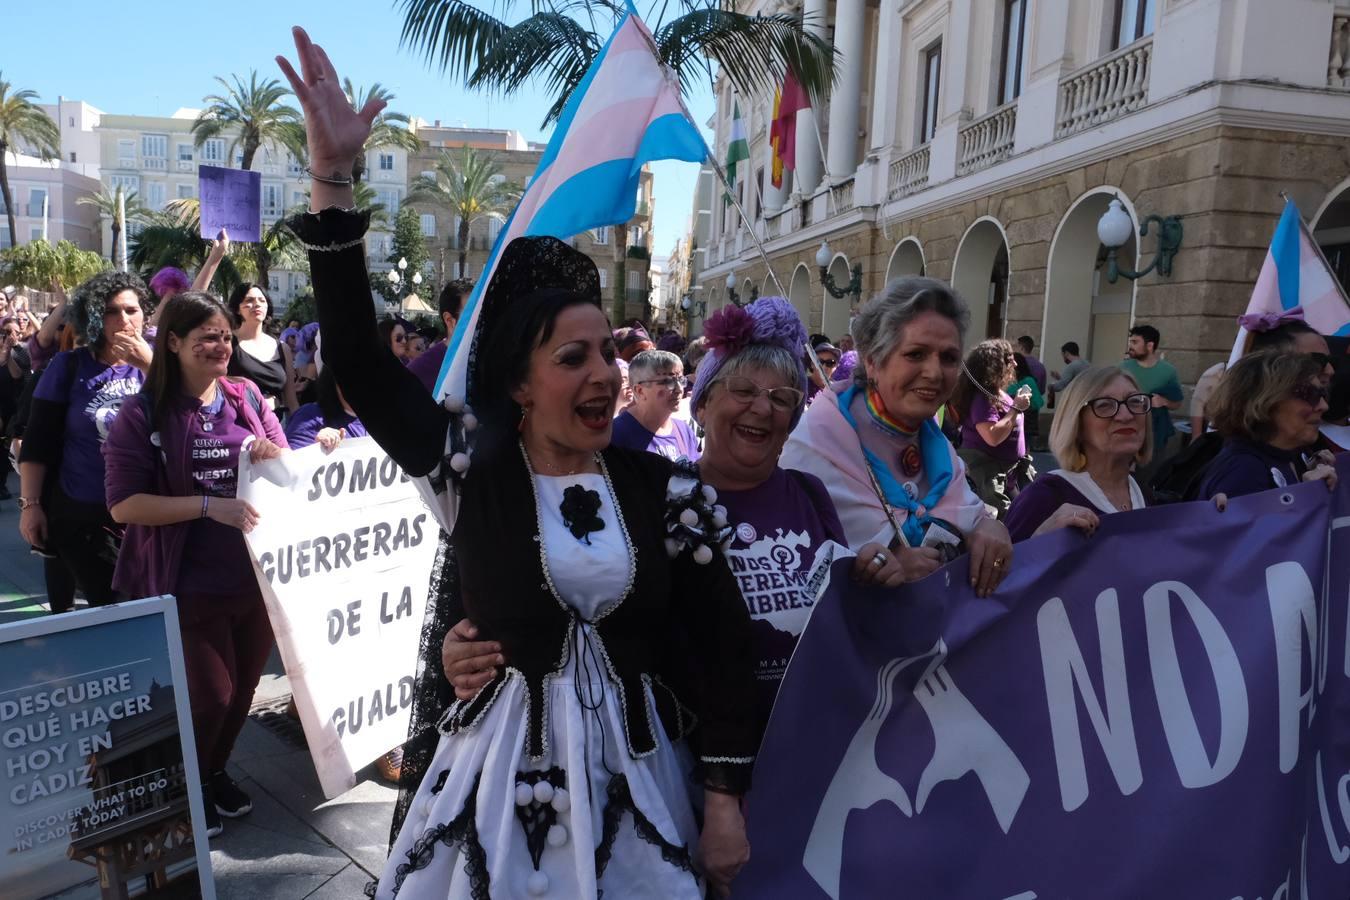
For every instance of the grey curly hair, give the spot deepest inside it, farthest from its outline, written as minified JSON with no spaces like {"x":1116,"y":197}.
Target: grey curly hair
{"x":89,"y":301}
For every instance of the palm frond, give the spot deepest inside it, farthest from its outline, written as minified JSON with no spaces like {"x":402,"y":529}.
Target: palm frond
{"x":22,"y":120}
{"x":754,"y":51}
{"x":451,"y":35}
{"x":549,"y":45}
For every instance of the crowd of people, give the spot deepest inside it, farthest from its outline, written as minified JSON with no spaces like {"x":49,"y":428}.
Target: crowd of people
{"x":655,"y":508}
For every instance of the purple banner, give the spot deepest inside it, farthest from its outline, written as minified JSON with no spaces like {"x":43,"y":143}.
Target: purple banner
{"x":1161,"y":710}
{"x":230,"y":199}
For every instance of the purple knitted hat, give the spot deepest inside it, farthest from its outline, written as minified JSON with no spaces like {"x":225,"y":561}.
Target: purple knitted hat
{"x":768,"y":320}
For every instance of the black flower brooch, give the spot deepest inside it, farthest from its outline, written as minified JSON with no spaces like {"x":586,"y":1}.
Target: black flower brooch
{"x":579,"y":507}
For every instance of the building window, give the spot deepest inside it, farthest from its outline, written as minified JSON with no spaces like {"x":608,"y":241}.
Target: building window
{"x":297,"y":198}
{"x":600,"y":235}
{"x":389,"y":199}
{"x":428,"y":174}
{"x":932,"y":91}
{"x":72,"y":156}
{"x":494,"y":228}
{"x":72,"y":121}
{"x":154,"y":146}
{"x":428,"y":225}
{"x":36,"y":198}
{"x":272,"y":195}
{"x":126,"y":153}
{"x":1134,"y":19}
{"x":386,"y":162}
{"x":213,"y":151}
{"x":1014,"y":30}
{"x":128,"y":183}
{"x":154,"y":194}
{"x":293,"y":167}
{"x":634,"y":280}
{"x":604,"y":278}
{"x":35,"y":233}
{"x":184,"y":192}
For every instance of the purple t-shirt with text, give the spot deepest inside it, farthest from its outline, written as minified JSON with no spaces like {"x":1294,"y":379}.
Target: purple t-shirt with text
{"x":216,"y":560}
{"x":92,"y":401}
{"x":779,"y":527}
{"x":981,"y":410}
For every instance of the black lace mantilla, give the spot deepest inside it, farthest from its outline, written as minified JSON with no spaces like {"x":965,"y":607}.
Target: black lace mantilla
{"x":461,"y":833}
{"x":618,"y":800}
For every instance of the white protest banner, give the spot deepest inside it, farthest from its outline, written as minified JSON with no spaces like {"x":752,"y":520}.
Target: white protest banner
{"x":99,"y":785}
{"x":343,"y":549}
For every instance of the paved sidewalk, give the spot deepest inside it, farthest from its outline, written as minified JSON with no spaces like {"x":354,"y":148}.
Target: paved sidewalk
{"x":294,"y":844}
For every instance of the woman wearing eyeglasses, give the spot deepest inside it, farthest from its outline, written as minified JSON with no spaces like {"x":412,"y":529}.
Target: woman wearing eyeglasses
{"x":1269,"y":410}
{"x":649,"y":423}
{"x":1101,"y":429}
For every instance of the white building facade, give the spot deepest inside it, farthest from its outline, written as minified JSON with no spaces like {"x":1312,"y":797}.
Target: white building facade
{"x":979,"y":141}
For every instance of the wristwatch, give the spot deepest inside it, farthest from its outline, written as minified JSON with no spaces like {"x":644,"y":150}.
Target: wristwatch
{"x":25,"y":502}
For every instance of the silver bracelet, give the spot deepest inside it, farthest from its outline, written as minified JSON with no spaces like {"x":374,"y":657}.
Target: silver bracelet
{"x":206,"y":498}
{"x":333,"y":248}
{"x":329,"y":179}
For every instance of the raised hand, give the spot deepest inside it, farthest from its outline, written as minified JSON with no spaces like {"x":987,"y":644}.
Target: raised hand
{"x":335,"y":132}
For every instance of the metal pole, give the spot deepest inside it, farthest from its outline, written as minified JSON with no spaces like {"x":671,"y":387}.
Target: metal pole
{"x":122,"y":218}
{"x":46,"y":203}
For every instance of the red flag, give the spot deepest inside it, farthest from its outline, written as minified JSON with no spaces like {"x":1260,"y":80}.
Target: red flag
{"x":783,"y":132}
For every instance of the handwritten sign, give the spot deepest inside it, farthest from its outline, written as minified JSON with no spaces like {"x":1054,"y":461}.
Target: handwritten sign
{"x":98,"y":773}
{"x":343,"y":550}
{"x":230,"y":199}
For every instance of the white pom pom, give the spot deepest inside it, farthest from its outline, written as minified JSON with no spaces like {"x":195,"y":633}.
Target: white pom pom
{"x":689,"y":517}
{"x":562,"y":801}
{"x":524,"y":794}
{"x":428,"y":801}
{"x":557,"y":836}
{"x":470,"y":421}
{"x":672,"y":548}
{"x":719,"y":517}
{"x":702,"y":554}
{"x":543,"y":791}
{"x":537,"y":884}
{"x":453,"y":402}
{"x":460,"y":462}
{"x":710,"y":493}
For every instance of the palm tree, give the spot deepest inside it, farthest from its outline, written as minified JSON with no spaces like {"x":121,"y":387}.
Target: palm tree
{"x":172,"y":237}
{"x":106,"y":203}
{"x":488,"y":53}
{"x":251,"y":114}
{"x":22,"y":122}
{"x":470,"y":185}
{"x":390,"y":129}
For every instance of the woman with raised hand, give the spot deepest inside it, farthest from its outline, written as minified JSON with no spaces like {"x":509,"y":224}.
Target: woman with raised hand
{"x":74,"y":405}
{"x":894,"y":477}
{"x":1101,"y":430}
{"x":566,"y":774}
{"x":172,"y":473}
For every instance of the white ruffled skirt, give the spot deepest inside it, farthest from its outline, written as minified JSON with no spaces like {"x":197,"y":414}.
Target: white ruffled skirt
{"x":463,"y":840}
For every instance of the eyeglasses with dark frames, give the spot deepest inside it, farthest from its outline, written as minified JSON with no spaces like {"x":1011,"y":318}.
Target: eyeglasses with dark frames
{"x":670,"y":382}
{"x":745,"y":391}
{"x":827,"y":363}
{"x":1107,"y":407}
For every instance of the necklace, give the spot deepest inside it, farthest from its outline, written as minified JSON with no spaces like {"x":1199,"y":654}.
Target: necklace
{"x":544,"y":466}
{"x":207,"y":411}
{"x":876,"y":408}
{"x":1124,"y":506}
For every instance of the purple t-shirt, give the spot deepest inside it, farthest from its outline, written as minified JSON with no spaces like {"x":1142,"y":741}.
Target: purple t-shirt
{"x":92,"y":401}
{"x":1037,"y":372}
{"x":779,"y":527}
{"x":981,"y":410}
{"x":1038,"y":501}
{"x":304,"y":425}
{"x":427,"y":366}
{"x":215,"y":558}
{"x":681,"y":443}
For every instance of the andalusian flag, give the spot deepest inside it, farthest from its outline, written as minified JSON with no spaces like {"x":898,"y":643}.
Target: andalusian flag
{"x":739,"y":147}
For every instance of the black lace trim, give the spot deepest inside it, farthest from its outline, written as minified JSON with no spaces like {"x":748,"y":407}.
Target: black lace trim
{"x":461,"y":833}
{"x":619,"y":799}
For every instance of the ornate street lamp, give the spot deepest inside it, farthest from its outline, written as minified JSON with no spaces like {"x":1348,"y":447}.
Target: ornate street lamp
{"x":735,"y":298}
{"x":694,"y":308}
{"x":854,"y":286}
{"x":1115,"y":228}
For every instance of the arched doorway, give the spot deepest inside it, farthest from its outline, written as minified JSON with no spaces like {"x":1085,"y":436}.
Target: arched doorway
{"x":1331,"y":229}
{"x":799,"y":294}
{"x":906,"y":259}
{"x":1080,"y":304}
{"x":835,"y":320}
{"x":980,"y":275}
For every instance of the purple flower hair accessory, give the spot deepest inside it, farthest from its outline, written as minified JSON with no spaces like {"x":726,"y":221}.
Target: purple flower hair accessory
{"x":1269,"y":321}
{"x":728,"y":330}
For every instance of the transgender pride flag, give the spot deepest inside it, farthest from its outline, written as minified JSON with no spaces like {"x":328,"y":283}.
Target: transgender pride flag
{"x":1296,"y":274}
{"x":626,"y":112}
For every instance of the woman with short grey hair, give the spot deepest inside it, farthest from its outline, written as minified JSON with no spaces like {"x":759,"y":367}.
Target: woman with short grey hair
{"x":656,"y":378}
{"x":893,"y":475}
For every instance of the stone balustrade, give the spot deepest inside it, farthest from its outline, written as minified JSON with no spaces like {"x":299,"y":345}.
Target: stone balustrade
{"x":1105,"y":90}
{"x":1338,"y":60}
{"x":841,"y":197}
{"x":987,"y":140}
{"x":908,"y":174}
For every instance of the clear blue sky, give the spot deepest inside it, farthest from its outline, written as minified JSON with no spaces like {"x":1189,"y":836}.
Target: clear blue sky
{"x":150,"y":57}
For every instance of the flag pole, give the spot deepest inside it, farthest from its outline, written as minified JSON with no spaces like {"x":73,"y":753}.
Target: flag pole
{"x":1320,"y":255}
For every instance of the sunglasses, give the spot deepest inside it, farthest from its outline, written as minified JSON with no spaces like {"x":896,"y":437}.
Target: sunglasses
{"x":1107,"y":407}
{"x":826,"y":362}
{"x":1311,"y":394}
{"x":1322,"y":359}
